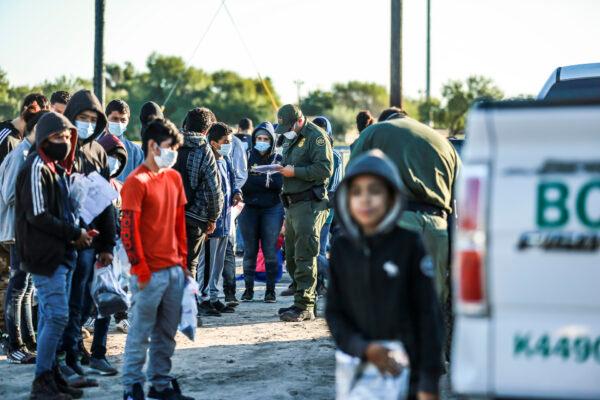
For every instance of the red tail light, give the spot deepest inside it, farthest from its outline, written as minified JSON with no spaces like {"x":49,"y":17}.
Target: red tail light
{"x":469,"y":263}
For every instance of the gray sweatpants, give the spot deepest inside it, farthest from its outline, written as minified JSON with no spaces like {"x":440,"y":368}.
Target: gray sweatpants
{"x":218,"y":247}
{"x":154,"y":316}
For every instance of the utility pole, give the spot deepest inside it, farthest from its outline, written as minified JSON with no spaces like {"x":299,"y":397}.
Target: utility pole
{"x":396,"y":55}
{"x":299,"y":84}
{"x":99,"y":85}
{"x":428,"y":84}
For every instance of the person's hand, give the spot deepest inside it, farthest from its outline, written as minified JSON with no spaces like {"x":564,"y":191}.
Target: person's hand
{"x":379,"y":356}
{"x":142,"y":285}
{"x":85,"y":240}
{"x":237,"y":199}
{"x":427,"y":396}
{"x":287,"y":171}
{"x":105,"y":258}
{"x":282,"y":231}
{"x":210,"y":227}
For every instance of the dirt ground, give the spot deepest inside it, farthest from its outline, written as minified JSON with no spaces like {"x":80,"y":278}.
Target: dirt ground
{"x":246,"y":355}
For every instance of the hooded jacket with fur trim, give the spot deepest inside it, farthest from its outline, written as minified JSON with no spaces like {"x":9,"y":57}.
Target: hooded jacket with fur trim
{"x":381,"y":286}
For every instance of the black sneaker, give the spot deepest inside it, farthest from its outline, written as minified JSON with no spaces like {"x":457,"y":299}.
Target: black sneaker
{"x":284,"y":310}
{"x":137,"y":393}
{"x":63,"y":386}
{"x":248,"y":295}
{"x":222,"y":308}
{"x":169,"y":393}
{"x":206,"y":308}
{"x":231,"y":300}
{"x":290,"y":291}
{"x":102,"y":367}
{"x":75,"y":366}
{"x":270,"y":296}
{"x":20,"y":356}
{"x":44,"y":388}
{"x":297,"y":315}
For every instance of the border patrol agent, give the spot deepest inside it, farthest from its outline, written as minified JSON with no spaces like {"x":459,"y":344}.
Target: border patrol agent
{"x":307,"y":167}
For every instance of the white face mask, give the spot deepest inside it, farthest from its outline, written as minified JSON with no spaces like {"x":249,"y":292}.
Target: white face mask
{"x":166,"y":158}
{"x":225,"y":149}
{"x":117,"y":128}
{"x":113,"y":164}
{"x":290,"y":135}
{"x":85,"y":129}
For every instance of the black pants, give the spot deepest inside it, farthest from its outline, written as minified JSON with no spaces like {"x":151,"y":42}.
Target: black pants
{"x":195,"y":239}
{"x":229,"y":284}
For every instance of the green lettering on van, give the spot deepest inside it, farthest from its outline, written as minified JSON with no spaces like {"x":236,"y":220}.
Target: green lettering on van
{"x":542,"y":347}
{"x":561,"y":348}
{"x":521,"y":345}
{"x":581,"y":205}
{"x":559,"y":204}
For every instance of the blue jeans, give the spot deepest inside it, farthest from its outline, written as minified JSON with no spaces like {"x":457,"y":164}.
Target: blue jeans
{"x":260,"y":225}
{"x":154,"y":316}
{"x":53,"y":315}
{"x":229,"y":284}
{"x":80,"y":288}
{"x":239,"y":240}
{"x":17,"y":305}
{"x":214,"y":259}
{"x":322,"y":261}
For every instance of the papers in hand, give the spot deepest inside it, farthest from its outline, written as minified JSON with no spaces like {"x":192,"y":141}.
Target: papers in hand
{"x":91,"y":195}
{"x":266,"y":169}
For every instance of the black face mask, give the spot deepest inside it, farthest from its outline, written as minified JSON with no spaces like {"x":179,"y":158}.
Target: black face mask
{"x":57,"y":151}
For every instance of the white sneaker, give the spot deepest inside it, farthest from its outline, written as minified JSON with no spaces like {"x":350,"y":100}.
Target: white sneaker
{"x":89,"y":325}
{"x":123,"y":326}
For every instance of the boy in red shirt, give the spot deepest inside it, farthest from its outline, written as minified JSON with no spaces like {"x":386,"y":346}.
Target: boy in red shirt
{"x":153,"y":233}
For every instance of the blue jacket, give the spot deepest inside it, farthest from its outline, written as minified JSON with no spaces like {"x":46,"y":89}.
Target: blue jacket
{"x":262,"y":190}
{"x":227,"y":176}
{"x":135,"y":156}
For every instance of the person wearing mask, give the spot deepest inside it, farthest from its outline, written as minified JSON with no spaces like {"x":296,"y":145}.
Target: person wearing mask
{"x":118,"y":115}
{"x":158,"y":255}
{"x":381,"y":285}
{"x":262,"y":216}
{"x":198,"y":169}
{"x":306,"y":167}
{"x":17,"y":308}
{"x":244,"y":133}
{"x":59,"y":100}
{"x":220,"y":137}
{"x":334,"y":181}
{"x":46,"y":236}
{"x":428,"y":186}
{"x":84,"y":111}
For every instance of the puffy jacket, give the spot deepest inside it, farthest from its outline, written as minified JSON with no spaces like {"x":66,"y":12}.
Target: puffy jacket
{"x":381,"y":286}
{"x":198,"y":169}
{"x":91,"y":157}
{"x":9,"y":170}
{"x":262,"y":190}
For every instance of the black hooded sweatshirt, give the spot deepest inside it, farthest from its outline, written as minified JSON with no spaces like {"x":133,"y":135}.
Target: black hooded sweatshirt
{"x":380,"y":286}
{"x":43,"y":230}
{"x":90,"y":157}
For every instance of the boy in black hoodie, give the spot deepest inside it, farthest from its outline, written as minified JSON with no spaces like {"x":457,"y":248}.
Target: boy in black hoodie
{"x":46,"y":236}
{"x":381,"y":286}
{"x":86,"y":113}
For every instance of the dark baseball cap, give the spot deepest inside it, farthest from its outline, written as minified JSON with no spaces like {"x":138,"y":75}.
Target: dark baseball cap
{"x":286,"y":117}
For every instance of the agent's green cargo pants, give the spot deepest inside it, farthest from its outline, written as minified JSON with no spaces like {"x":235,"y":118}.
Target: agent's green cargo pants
{"x":303,"y":223}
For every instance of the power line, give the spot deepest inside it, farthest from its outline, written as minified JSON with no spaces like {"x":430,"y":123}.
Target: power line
{"x":262,"y":81}
{"x":194,"y":53}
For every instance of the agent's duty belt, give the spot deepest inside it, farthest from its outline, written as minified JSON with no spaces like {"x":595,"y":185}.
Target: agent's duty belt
{"x":426,"y":208}
{"x":291,"y":198}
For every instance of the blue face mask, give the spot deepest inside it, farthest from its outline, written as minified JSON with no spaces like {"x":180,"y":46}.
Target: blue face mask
{"x":262,"y":147}
{"x":85,"y":129}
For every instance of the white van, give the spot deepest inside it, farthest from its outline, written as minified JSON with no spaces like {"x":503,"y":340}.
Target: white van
{"x":526,"y":270}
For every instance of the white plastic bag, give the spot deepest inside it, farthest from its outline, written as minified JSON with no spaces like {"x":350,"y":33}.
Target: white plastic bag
{"x":90,"y":195}
{"x":107,"y":293}
{"x":189,"y":309}
{"x":121,"y":265}
{"x":359,"y":380}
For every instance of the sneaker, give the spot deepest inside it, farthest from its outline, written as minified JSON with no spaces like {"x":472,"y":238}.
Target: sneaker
{"x":231,"y":300}
{"x":89,"y":325}
{"x":73,"y":379}
{"x":137,"y":393}
{"x":31,"y":345}
{"x":63,"y":386}
{"x":102,"y":367}
{"x":75,"y":365}
{"x":173,"y":393}
{"x":20,"y":356}
{"x":270,"y":296}
{"x":44,"y":388}
{"x":222,"y":308}
{"x":248,"y":295}
{"x":284,"y":310}
{"x":206,"y":308}
{"x":290,"y":291}
{"x":123,"y":326}
{"x":297,"y":315}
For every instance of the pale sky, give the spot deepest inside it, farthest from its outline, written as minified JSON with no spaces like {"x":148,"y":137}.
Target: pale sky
{"x":515,"y":42}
